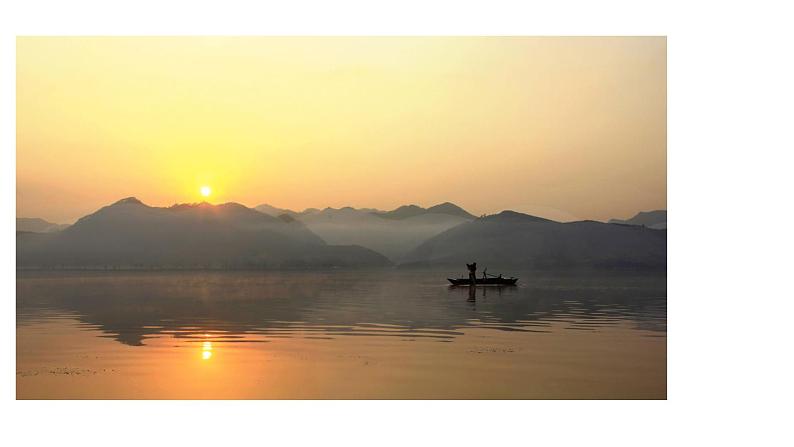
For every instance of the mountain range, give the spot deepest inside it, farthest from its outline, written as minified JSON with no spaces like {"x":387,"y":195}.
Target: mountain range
{"x":408,"y":211}
{"x":130,"y":234}
{"x":391,"y":233}
{"x":515,"y":239}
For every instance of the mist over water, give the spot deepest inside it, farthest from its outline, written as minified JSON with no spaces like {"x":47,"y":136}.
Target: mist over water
{"x":339,"y":334}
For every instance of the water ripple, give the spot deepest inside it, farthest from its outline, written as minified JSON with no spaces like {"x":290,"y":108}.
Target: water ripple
{"x":239,"y":307}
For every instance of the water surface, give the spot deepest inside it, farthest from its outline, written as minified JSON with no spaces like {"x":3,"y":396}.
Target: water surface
{"x":374,"y":334}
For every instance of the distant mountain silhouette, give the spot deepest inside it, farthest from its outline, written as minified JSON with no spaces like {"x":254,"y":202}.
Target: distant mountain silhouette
{"x":451,"y":209}
{"x":402,"y":212}
{"x":391,"y":233}
{"x":129,"y":233}
{"x":390,"y":237}
{"x":36,"y":225}
{"x":407,"y":211}
{"x":514,"y":239}
{"x":652,"y":219}
{"x":272,"y":210}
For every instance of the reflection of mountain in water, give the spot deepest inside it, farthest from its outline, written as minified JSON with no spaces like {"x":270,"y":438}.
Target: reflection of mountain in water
{"x":231,"y":307}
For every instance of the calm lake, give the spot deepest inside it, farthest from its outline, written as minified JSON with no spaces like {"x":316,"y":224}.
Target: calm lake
{"x":340,"y":335}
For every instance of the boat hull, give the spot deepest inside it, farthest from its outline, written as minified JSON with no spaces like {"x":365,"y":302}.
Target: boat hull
{"x":484,"y":281}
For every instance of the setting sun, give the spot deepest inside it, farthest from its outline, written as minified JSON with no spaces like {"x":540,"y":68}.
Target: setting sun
{"x":205,"y":191}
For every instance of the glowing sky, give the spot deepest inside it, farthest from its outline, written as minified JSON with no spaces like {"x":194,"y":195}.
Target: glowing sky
{"x":566,"y":128}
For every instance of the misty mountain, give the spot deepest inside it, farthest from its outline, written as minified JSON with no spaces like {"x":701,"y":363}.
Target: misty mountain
{"x":652,"y":219}
{"x":514,"y":239}
{"x":129,"y":233}
{"x":407,"y":211}
{"x":390,"y":237}
{"x":36,"y":225}
{"x":393,"y":236}
{"x":273,"y":211}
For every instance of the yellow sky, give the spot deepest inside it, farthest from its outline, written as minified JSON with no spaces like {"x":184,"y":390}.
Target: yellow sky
{"x":559,"y":127}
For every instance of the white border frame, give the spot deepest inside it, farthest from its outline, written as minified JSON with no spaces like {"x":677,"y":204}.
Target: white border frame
{"x":730,"y":96}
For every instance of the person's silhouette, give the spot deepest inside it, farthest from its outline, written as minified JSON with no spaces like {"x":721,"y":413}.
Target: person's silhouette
{"x":472,"y":272}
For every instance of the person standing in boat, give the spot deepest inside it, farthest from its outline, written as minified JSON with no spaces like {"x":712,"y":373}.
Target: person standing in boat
{"x":472,"y":272}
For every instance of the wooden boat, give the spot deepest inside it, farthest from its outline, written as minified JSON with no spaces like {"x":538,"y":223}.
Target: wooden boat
{"x":485,"y":280}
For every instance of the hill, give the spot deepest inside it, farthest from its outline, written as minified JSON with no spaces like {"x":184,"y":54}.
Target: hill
{"x":652,"y":219}
{"x":515,"y":239}
{"x":130,"y":234}
{"x":36,"y":225}
{"x":390,"y":237}
{"x":273,"y":211}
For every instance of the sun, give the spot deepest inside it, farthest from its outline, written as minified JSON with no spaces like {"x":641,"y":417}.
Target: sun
{"x":205,"y":191}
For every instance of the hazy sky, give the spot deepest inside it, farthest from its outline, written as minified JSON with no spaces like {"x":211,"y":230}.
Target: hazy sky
{"x":566,"y":128}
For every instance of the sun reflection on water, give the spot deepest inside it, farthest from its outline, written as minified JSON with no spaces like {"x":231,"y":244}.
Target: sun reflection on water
{"x":206,"y":350}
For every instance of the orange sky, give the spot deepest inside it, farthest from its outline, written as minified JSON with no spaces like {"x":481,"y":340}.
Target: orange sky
{"x":566,"y":128}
